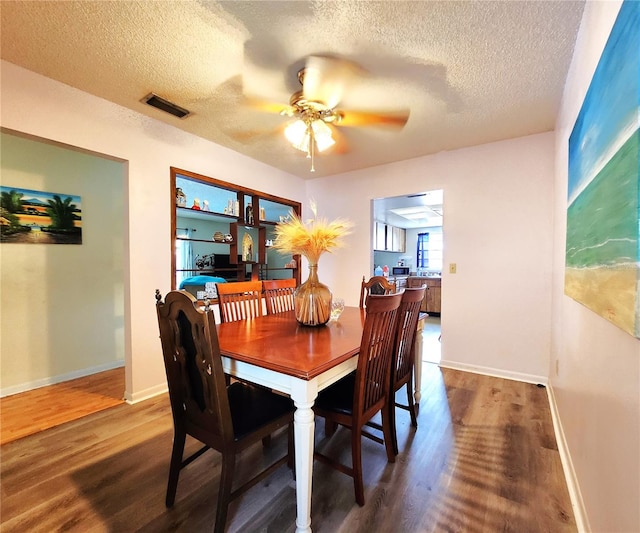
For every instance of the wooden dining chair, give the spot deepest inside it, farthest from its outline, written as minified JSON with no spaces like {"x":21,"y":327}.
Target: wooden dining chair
{"x":225,"y":418}
{"x":278,"y":295}
{"x":375,"y":285}
{"x":403,"y":359}
{"x":239,"y":300}
{"x":355,"y":399}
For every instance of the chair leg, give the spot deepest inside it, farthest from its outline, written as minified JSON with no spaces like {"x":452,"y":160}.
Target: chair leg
{"x":224,"y":493}
{"x":388,"y":435}
{"x":179,"y":438}
{"x":356,"y":458}
{"x":329,"y":427}
{"x":391,"y":409}
{"x":412,"y":405}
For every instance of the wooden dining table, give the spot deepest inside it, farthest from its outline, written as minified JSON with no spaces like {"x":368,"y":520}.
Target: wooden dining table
{"x":277,"y":352}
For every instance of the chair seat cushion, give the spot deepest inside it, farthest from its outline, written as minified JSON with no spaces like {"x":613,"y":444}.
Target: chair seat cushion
{"x":254,"y":407}
{"x":339,"y":396}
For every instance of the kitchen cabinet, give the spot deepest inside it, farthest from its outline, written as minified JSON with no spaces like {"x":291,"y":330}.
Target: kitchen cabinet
{"x":433,"y":294}
{"x":388,"y":238}
{"x":398,"y":239}
{"x":380,"y":236}
{"x":224,"y":230}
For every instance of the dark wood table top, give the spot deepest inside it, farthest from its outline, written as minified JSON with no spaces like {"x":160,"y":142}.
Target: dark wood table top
{"x":277,"y":342}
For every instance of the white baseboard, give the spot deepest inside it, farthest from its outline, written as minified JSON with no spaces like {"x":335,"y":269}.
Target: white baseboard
{"x":495,"y":372}
{"x":52,"y":380}
{"x":579,"y":511}
{"x":145,"y":394}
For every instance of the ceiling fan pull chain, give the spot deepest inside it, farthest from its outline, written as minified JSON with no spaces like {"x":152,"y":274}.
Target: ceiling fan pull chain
{"x":312,"y":146}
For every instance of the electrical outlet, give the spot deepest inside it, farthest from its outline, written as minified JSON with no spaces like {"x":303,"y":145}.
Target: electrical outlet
{"x":453,"y":268}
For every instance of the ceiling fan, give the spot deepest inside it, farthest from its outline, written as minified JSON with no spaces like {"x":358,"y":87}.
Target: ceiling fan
{"x":315,"y":108}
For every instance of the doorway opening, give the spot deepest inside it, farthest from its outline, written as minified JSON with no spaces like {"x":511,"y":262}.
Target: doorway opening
{"x":419,"y":218}
{"x":73,"y":357}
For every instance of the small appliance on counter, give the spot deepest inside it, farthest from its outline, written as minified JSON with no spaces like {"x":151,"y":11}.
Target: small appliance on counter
{"x":400,"y":271}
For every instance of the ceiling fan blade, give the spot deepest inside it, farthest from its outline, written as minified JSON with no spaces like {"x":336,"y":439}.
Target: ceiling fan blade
{"x":341,"y":146}
{"x":326,"y":79}
{"x":267,"y":107}
{"x":393,"y":119}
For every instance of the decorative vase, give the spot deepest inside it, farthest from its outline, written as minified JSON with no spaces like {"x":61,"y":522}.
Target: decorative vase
{"x":312,"y":301}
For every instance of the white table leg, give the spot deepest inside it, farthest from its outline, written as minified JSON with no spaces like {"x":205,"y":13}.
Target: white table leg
{"x":417,"y":366}
{"x":304,"y":393}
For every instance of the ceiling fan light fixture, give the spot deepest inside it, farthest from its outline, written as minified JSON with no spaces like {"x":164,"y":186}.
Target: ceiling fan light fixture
{"x":298,"y":135}
{"x":322,"y":135}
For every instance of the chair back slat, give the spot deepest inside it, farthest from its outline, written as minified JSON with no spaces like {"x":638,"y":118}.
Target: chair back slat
{"x":278,"y":295}
{"x":374,"y":362}
{"x":240,"y":300}
{"x":195,"y":377}
{"x":406,"y":324}
{"x":376,"y":285}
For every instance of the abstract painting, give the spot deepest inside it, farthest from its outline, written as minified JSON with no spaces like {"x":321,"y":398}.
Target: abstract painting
{"x":36,"y":217}
{"x":602,"y":253}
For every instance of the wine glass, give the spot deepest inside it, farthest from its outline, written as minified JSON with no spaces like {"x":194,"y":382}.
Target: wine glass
{"x":337,"y":306}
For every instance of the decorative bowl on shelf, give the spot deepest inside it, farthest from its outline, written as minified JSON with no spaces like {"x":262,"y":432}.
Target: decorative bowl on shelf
{"x":218,"y":236}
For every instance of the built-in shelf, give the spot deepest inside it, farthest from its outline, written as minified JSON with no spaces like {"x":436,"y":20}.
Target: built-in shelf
{"x":226,"y":210}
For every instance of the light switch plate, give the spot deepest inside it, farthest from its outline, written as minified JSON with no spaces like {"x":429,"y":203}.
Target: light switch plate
{"x":453,"y":268}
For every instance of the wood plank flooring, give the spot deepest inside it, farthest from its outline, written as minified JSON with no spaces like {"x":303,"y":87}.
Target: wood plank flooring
{"x":431,"y":346}
{"x":483,"y":459}
{"x":32,"y":411}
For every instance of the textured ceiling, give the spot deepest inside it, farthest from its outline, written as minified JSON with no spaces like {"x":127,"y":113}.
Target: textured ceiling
{"x":469,"y":72}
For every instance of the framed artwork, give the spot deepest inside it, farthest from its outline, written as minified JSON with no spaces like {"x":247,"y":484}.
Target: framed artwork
{"x":37,"y":217}
{"x":602,"y":257}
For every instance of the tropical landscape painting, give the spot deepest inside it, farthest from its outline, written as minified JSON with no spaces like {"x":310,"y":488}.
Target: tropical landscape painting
{"x":602,"y":252}
{"x":38,"y":217}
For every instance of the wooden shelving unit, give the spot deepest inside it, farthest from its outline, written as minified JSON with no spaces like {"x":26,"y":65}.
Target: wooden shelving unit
{"x":223,"y":208}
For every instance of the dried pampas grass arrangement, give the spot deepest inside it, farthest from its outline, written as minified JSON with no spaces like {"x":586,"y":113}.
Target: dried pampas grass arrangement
{"x":312,"y":238}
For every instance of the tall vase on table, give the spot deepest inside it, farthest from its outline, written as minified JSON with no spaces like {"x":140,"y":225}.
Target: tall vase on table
{"x":312,"y":300}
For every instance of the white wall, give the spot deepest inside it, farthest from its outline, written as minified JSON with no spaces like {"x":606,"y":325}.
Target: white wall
{"x":62,"y":305}
{"x":497,"y":228}
{"x":597,"y":388}
{"x":45,"y":108}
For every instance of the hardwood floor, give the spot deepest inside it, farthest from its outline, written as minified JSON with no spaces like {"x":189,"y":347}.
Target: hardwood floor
{"x":484,"y":459}
{"x":32,"y":411}
{"x":431,"y":346}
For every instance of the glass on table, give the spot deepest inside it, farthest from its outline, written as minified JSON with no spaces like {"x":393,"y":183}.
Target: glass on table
{"x":337,"y":306}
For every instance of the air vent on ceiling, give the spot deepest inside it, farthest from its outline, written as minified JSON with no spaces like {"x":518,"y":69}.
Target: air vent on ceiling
{"x":166,"y":106}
